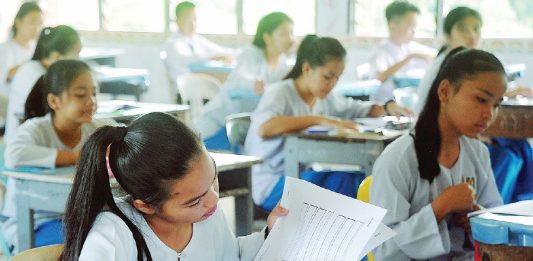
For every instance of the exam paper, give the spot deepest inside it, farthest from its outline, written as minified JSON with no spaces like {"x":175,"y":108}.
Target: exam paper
{"x":321,"y":225}
{"x":520,"y":208}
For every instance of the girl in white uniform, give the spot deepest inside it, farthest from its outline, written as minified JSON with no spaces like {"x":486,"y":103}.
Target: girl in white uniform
{"x":59,"y":119}
{"x":303,"y":99}
{"x":19,"y":47}
{"x":170,"y":211}
{"x":55,"y":43}
{"x":429,"y":180}
{"x":263,"y":62}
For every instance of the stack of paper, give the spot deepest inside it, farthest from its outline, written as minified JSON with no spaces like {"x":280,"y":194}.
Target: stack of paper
{"x":323,"y":225}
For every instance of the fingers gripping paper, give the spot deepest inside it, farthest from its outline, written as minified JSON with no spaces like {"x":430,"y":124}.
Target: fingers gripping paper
{"x":323,"y":225}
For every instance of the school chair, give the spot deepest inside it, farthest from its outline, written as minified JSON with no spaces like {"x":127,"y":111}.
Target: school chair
{"x":363,"y":194}
{"x":197,"y":89}
{"x":46,"y":253}
{"x":236,"y":128}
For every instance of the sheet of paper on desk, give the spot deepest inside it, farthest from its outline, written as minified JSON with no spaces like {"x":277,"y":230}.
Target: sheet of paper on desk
{"x":520,"y":208}
{"x":321,"y":225}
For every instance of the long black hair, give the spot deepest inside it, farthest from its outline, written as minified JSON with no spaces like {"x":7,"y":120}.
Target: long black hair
{"x":316,"y":51}
{"x":455,"y":16}
{"x":460,"y":64}
{"x":61,"y":38}
{"x":268,"y":24}
{"x":56,"y":80}
{"x":25,"y":8}
{"x":141,"y":165}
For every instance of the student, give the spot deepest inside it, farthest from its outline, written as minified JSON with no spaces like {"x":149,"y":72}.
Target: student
{"x":19,"y":47}
{"x":262,"y":63}
{"x":511,"y":159}
{"x":55,"y":43}
{"x":462,"y":27}
{"x":398,"y":54}
{"x":170,"y":211}
{"x":186,"y":47}
{"x":303,"y":99}
{"x":430,"y":179}
{"x":59,"y":113}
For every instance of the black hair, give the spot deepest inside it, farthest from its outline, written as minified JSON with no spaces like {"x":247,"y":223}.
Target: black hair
{"x":459,"y":64}
{"x":25,"y":8}
{"x":316,"y":51}
{"x":61,"y":38}
{"x":455,"y":16}
{"x":143,"y":169}
{"x":182,"y":7}
{"x":56,"y":80}
{"x":268,"y":24}
{"x":399,"y":8}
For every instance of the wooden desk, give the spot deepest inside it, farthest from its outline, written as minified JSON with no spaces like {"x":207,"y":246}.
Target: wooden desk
{"x":49,"y":192}
{"x":126,"y":111}
{"x":514,"y":120}
{"x":362,"y":149}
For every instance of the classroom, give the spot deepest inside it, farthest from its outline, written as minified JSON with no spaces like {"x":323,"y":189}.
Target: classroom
{"x":266,"y":130}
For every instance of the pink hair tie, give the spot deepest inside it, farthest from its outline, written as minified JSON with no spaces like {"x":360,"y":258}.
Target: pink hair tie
{"x":107,"y":152}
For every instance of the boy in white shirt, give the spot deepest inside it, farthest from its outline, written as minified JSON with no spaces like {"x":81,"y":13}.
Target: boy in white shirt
{"x":398,"y":54}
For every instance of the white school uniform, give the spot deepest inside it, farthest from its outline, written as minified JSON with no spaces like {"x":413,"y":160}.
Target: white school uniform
{"x":398,"y":187}
{"x":21,"y":86}
{"x":282,"y":99}
{"x":251,"y":66}
{"x":426,"y":82}
{"x":11,"y":55}
{"x":389,"y":53}
{"x":183,"y":50}
{"x":36,"y":145}
{"x":110,"y":239}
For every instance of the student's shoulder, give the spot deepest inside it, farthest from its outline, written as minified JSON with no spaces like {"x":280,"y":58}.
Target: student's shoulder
{"x":474,"y":147}
{"x":400,"y":151}
{"x":44,"y":122}
{"x":280,"y":89}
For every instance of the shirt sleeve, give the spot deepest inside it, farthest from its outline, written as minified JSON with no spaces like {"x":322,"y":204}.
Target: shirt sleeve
{"x":349,"y":108}
{"x":419,"y":236}
{"x":379,"y":62}
{"x":25,"y":148}
{"x":488,"y":195}
{"x":110,"y":240}
{"x":274,"y":102}
{"x":3,"y":65}
{"x":212,"y":48}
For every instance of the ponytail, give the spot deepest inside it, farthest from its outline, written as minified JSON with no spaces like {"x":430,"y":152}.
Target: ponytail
{"x":36,"y":104}
{"x":91,"y":192}
{"x":61,"y":39}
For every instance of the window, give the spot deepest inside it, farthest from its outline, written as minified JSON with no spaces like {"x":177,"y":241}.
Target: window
{"x":214,"y":16}
{"x":501,"y":18}
{"x":58,"y":12}
{"x":370,"y":18}
{"x":8,"y":10}
{"x":301,"y":12}
{"x":133,"y":15}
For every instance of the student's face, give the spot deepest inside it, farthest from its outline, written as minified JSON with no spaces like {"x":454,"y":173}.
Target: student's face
{"x":472,"y":108}
{"x":187,"y":21}
{"x":403,"y":28}
{"x":322,"y":79}
{"x":465,"y":33}
{"x":78,"y":102}
{"x":281,"y":39}
{"x":194,"y":197}
{"x":30,"y":25}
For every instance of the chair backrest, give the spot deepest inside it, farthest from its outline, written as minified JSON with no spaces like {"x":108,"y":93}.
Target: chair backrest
{"x":46,"y":253}
{"x":236,"y":128}
{"x":363,"y":193}
{"x":196,"y":89}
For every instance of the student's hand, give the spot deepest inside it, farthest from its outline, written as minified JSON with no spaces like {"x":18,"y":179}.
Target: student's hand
{"x":461,"y":220}
{"x":259,"y":87}
{"x":338,"y":123}
{"x":394,"y":109}
{"x":223,"y":58}
{"x":277,"y":212}
{"x":458,"y":198}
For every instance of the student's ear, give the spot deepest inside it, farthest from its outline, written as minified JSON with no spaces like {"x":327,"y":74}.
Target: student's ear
{"x":53,"y":101}
{"x":445,"y":90}
{"x":267,"y":38}
{"x":306,"y":68}
{"x":143,"y":207}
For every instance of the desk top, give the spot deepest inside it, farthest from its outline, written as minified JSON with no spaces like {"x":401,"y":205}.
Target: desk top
{"x":97,"y":53}
{"x":65,"y":175}
{"x":347,"y":136}
{"x":118,"y":108}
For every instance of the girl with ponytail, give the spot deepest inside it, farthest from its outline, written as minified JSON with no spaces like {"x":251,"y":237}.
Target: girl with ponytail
{"x":170,"y":211}
{"x":429,"y":180}
{"x":59,"y":120}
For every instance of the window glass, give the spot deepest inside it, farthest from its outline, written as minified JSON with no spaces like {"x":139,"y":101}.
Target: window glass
{"x":301,"y":12}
